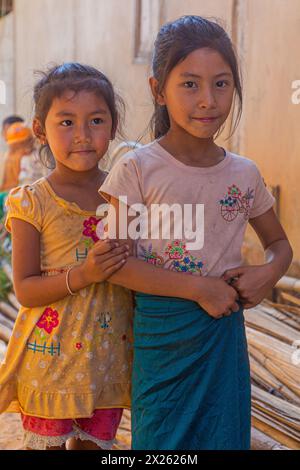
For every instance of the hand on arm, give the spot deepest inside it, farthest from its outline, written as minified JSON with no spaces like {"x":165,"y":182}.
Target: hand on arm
{"x":33,"y":290}
{"x":253,"y":283}
{"x":212,"y":294}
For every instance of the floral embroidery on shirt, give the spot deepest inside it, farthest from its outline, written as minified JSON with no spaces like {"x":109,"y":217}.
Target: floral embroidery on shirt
{"x":177,"y":258}
{"x":151,"y":256}
{"x":234,"y":203}
{"x":49,"y":320}
{"x":176,"y":250}
{"x":188,"y":264}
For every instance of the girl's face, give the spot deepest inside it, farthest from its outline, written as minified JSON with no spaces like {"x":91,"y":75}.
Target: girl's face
{"x":78,"y":129}
{"x":198,"y":93}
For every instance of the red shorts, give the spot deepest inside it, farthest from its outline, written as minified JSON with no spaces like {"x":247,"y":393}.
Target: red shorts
{"x":101,"y":429}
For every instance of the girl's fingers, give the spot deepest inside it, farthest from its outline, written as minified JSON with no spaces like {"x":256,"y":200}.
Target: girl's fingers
{"x":114,"y":268}
{"x":235,"y":307}
{"x":247,"y":305}
{"x":112,"y":261}
{"x":226,"y":314}
{"x":102,"y":258}
{"x":102,"y":246}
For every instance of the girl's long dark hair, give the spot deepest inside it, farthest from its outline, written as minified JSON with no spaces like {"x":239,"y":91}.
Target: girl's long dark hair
{"x":174,"y":42}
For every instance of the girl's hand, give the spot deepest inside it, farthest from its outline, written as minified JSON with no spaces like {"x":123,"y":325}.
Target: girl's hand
{"x":105,"y":258}
{"x":218,"y":298}
{"x":252,"y":283}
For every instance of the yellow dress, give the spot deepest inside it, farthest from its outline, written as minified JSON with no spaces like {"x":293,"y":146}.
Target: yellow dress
{"x":70,"y":357}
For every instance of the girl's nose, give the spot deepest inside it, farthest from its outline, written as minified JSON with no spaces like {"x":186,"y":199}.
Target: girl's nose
{"x":207,"y":98}
{"x":82,"y":134}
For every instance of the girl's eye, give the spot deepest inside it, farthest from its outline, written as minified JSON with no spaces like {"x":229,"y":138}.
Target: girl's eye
{"x":66,"y":123}
{"x":221,"y":84}
{"x":190,"y":84}
{"x":97,"y":121}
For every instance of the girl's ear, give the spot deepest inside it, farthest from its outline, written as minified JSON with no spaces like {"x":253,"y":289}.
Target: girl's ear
{"x":39,"y":132}
{"x":159,"y":97}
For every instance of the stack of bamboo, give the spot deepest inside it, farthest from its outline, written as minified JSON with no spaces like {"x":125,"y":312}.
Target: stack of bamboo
{"x":273,"y":334}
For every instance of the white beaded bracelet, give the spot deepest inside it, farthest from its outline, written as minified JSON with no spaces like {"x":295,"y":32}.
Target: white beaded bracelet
{"x":67,"y":281}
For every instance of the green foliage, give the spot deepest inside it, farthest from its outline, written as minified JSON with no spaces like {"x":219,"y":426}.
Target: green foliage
{"x":5,"y":285}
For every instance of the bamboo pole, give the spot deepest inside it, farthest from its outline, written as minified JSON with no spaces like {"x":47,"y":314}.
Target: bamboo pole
{"x":8,"y":310}
{"x":5,"y":333}
{"x":13,"y":300}
{"x":275,"y":434}
{"x":270,"y":382}
{"x":6,"y":321}
{"x":290,"y":298}
{"x":261,"y":321}
{"x":289,"y":283}
{"x":261,"y":441}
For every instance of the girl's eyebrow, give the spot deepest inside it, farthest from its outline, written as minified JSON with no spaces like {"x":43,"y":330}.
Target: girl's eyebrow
{"x":194,"y":75}
{"x":68,"y":113}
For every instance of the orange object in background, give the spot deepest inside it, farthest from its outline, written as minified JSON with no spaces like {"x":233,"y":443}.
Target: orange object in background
{"x":18,"y":132}
{"x":19,"y":139}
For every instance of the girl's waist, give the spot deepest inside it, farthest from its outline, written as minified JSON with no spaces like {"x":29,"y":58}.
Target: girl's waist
{"x":155,"y":303}
{"x":163,"y":302}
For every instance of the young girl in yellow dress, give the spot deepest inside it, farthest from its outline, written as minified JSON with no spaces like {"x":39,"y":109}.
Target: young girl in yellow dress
{"x":67,"y":367}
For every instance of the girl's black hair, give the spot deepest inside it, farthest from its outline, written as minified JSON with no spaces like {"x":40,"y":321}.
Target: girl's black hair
{"x":58,"y":79}
{"x":174,"y":42}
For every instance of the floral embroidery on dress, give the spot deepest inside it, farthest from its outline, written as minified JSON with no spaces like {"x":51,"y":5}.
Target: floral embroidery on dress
{"x":43,"y":348}
{"x":49,"y":320}
{"x":234,"y":203}
{"x":94,"y":228}
{"x":105,"y":319}
{"x":177,"y":258}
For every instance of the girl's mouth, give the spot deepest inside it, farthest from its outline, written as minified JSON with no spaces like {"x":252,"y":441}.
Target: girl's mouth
{"x":207,"y":119}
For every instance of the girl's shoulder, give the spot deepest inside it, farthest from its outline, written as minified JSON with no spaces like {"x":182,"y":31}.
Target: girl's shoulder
{"x":37,"y":187}
{"x":241,"y":160}
{"x":139,"y":158}
{"x":241,"y":163}
{"x":27,"y":202}
{"x":35,"y":192}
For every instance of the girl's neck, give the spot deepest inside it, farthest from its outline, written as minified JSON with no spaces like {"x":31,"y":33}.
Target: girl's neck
{"x":192,"y":150}
{"x":79,"y":187}
{"x":62,"y":175}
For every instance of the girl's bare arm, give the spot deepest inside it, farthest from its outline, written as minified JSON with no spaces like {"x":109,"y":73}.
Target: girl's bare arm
{"x":254,"y":283}
{"x":33,"y":290}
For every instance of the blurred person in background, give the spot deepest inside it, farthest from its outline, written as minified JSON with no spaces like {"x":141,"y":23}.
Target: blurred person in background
{"x":21,"y":162}
{"x":20,"y":142}
{"x":6,"y":123}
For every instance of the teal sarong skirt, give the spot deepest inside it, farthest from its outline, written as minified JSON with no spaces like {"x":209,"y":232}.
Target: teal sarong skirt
{"x":191,"y":378}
